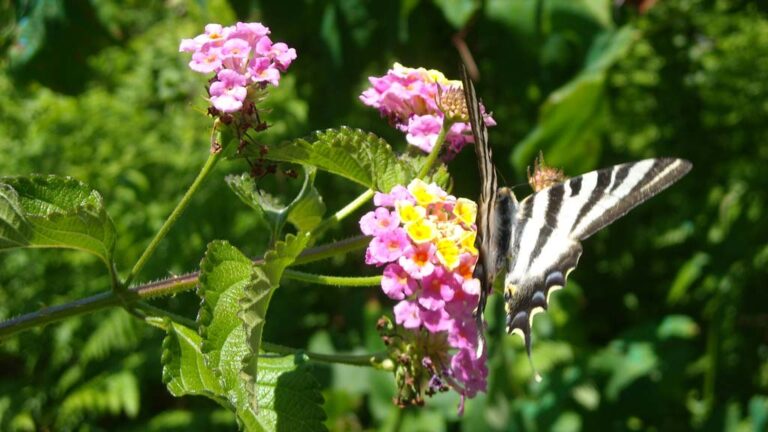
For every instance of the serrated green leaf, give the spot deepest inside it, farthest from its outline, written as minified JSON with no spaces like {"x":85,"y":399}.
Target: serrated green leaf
{"x":52,"y":211}
{"x":351,"y":153}
{"x":304,"y":212}
{"x":184,"y":369}
{"x":226,"y":276}
{"x":224,"y":273}
{"x":572,"y":117}
{"x":289,"y":397}
{"x":255,"y":301}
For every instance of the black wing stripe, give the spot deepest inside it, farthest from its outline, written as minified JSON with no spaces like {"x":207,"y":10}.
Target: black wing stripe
{"x":575,"y":185}
{"x":603,"y":179}
{"x":620,"y":174}
{"x":554,"y":201}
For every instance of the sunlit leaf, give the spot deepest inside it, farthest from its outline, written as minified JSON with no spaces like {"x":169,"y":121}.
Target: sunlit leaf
{"x":54,"y":212}
{"x":255,"y":300}
{"x":289,"y":397}
{"x":184,"y":369}
{"x":677,"y":326}
{"x":351,"y":153}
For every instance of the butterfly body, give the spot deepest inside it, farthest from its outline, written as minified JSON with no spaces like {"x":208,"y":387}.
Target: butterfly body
{"x":536,"y":242}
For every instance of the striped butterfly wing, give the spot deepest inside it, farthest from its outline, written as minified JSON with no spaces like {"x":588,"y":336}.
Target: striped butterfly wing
{"x":548,"y":226}
{"x":490,"y":258}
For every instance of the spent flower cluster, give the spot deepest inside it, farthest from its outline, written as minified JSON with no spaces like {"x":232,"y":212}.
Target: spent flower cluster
{"x":410,"y":99}
{"x":244,"y":59}
{"x":425,"y":240}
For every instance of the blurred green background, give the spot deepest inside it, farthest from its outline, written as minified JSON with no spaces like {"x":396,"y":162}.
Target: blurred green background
{"x":664,"y":325}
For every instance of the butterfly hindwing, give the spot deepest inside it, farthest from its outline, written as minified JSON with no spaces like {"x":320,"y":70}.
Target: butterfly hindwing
{"x":549,"y":225}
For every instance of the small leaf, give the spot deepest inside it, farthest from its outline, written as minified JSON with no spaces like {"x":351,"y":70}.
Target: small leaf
{"x":289,"y":396}
{"x":304,"y":212}
{"x":677,"y":326}
{"x":307,"y":212}
{"x":573,"y":116}
{"x":351,"y":153}
{"x":184,"y":369}
{"x":438,"y":174}
{"x":255,"y":300}
{"x":689,"y":273}
{"x":52,"y":211}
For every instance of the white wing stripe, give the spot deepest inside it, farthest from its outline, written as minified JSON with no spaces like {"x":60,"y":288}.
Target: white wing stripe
{"x":634,"y":176}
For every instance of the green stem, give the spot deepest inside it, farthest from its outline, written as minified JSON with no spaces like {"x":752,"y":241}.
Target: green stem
{"x":378,"y":360}
{"x":322,"y":252}
{"x":344,"y":212}
{"x":151,"y":290}
{"x":333,"y":280}
{"x":436,"y":149}
{"x":180,"y":207}
{"x":154,"y":312}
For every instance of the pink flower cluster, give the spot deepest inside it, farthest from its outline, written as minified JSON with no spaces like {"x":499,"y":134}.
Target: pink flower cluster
{"x":241,"y":56}
{"x":409,"y":98}
{"x":425,"y":240}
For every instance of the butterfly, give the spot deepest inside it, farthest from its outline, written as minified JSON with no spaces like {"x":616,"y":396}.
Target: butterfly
{"x":536,"y":241}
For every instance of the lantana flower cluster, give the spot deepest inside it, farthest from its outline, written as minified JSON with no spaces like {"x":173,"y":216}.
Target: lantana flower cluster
{"x":410,"y":99}
{"x":244,"y":59}
{"x":424,"y":239}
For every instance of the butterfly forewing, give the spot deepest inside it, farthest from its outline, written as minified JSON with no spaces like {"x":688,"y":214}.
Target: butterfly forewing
{"x":490,"y":259}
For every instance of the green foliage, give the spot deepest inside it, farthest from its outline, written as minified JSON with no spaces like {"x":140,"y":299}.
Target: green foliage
{"x":235,"y":297}
{"x":254,"y":303}
{"x":573,"y":116}
{"x":304,"y":212}
{"x":351,"y":153}
{"x":50,"y":211}
{"x":288,"y":398}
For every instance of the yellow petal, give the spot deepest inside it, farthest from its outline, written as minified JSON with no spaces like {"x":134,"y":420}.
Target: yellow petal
{"x":421,"y":231}
{"x":467,"y":242}
{"x":465,"y":210}
{"x":421,"y":192}
{"x":448,"y":253}
{"x":409,"y":212}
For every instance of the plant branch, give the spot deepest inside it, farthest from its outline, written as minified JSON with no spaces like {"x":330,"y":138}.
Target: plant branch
{"x":333,"y":280}
{"x":151,"y":290}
